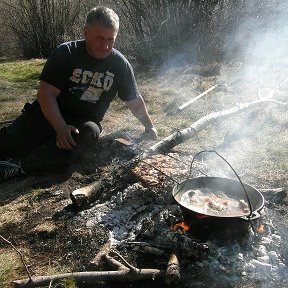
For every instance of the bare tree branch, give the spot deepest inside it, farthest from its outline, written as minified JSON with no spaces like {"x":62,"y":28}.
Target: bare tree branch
{"x":181,"y":136}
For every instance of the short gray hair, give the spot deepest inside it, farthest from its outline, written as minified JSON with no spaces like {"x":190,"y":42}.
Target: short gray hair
{"x":104,"y":16}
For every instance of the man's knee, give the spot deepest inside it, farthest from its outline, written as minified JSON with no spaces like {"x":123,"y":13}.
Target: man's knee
{"x":92,"y":130}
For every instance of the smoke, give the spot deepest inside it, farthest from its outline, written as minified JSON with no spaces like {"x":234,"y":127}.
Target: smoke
{"x":263,"y":38}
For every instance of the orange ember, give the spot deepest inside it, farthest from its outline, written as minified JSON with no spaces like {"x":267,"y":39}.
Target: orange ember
{"x":261,"y":228}
{"x":180,"y":225}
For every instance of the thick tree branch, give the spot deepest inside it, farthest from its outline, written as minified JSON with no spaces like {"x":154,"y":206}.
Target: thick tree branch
{"x":181,"y":136}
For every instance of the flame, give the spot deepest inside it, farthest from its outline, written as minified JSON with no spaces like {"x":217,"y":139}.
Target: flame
{"x":180,"y":225}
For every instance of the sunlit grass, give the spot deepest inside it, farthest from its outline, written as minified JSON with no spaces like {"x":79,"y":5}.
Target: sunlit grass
{"x":9,"y":263}
{"x":21,"y":71}
{"x":58,"y":269}
{"x":18,"y":85}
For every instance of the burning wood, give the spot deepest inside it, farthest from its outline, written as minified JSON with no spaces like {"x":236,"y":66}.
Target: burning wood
{"x":180,"y":226}
{"x":83,"y":196}
{"x":173,"y":270}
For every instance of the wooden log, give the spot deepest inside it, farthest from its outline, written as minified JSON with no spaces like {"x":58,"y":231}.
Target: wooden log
{"x":172,"y":275}
{"x":125,"y":273}
{"x":82,"y":196}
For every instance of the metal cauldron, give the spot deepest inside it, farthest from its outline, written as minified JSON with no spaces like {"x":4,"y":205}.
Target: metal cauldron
{"x":235,"y":190}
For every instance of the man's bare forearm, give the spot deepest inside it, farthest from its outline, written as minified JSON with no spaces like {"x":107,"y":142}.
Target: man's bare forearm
{"x":139,"y":110}
{"x":46,"y":96}
{"x":47,"y":99}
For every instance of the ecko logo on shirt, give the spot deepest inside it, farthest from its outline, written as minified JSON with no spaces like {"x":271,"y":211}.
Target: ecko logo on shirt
{"x":97,"y":79}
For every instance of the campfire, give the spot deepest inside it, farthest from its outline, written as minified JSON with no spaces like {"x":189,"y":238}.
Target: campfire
{"x":145,"y":219}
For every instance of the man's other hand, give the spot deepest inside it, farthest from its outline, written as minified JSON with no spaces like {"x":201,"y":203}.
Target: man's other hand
{"x":151,"y":133}
{"x":64,"y":139}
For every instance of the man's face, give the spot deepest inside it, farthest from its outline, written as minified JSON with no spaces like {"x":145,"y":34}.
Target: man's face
{"x":99,"y":40}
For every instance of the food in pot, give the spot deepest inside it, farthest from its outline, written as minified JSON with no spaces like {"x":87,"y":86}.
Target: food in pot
{"x":211,"y":201}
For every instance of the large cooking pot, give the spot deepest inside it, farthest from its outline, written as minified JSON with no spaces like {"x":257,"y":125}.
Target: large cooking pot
{"x":251,"y":199}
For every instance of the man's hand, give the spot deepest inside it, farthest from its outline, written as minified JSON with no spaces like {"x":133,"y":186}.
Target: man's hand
{"x":64,"y":139}
{"x":151,"y":133}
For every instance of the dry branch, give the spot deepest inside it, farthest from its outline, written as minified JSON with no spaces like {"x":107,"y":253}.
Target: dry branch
{"x":125,"y":273}
{"x":20,"y":254}
{"x":94,"y":276}
{"x":105,"y":249}
{"x":181,"y":136}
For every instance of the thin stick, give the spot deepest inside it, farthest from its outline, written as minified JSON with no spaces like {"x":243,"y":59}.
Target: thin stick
{"x":21,"y":256}
{"x":180,"y":108}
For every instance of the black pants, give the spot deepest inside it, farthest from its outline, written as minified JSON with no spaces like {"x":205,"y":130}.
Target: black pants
{"x":31,"y":139}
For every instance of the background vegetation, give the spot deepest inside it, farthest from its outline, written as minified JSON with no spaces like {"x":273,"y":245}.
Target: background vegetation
{"x":151,"y":31}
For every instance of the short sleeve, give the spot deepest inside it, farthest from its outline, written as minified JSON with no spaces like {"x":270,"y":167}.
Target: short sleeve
{"x":128,"y":89}
{"x":56,"y":69}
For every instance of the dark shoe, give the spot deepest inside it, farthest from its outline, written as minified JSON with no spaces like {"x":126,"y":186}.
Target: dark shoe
{"x":10,"y":169}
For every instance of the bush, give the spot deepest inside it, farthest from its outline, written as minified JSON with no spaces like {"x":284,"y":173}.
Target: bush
{"x":194,"y":30}
{"x":41,"y":25}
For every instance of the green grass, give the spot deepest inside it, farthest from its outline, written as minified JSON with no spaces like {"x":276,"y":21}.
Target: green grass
{"x":9,"y":262}
{"x":18,"y":85}
{"x":21,"y":71}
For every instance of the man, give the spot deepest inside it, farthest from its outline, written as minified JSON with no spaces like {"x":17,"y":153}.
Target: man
{"x":77,"y":84}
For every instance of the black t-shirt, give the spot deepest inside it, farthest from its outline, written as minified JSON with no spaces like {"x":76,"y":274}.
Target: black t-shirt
{"x":87,"y":84}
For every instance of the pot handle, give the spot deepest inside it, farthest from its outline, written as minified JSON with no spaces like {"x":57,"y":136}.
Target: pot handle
{"x":213,"y":151}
